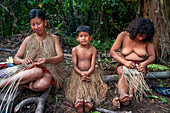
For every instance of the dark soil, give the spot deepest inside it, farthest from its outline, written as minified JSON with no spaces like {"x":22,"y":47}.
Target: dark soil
{"x":56,"y":102}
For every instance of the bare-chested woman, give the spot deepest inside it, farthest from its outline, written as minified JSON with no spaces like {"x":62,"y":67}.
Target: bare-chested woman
{"x":136,"y":48}
{"x":85,"y":84}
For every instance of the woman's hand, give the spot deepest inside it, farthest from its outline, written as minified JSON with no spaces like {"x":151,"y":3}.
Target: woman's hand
{"x":142,"y":67}
{"x":26,"y":61}
{"x":130,"y":64}
{"x":40,"y":62}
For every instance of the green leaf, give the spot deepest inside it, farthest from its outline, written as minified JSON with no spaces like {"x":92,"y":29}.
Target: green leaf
{"x":56,"y":98}
{"x":161,"y":83}
{"x":94,"y":112}
{"x":156,"y":67}
{"x":152,"y":96}
{"x":163,"y":99}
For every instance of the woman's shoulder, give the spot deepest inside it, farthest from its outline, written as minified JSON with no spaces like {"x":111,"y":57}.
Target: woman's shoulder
{"x":53,"y":37}
{"x":122,"y":35}
{"x":29,"y":37}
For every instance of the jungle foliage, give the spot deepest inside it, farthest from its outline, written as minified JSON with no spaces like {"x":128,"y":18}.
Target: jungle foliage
{"x":107,"y":18}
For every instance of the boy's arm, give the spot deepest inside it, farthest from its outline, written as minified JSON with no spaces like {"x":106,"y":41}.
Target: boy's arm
{"x":74,"y":59}
{"x":93,"y":61}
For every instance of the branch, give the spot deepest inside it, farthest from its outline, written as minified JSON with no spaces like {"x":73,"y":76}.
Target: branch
{"x":151,"y":75}
{"x":40,"y":100}
{"x":9,"y":50}
{"x":7,"y":10}
{"x":108,"y":111}
{"x":104,"y":110}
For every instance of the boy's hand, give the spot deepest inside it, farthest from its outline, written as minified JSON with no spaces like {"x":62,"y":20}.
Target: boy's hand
{"x":85,"y":77}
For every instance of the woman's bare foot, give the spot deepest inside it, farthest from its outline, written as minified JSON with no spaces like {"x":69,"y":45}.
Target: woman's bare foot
{"x":79,"y":106}
{"x":125,"y":98}
{"x":88,"y":105}
{"x":116,"y":102}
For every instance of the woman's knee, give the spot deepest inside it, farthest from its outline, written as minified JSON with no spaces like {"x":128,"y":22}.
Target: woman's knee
{"x":37,"y":72}
{"x":41,"y":86}
{"x":120,"y":71}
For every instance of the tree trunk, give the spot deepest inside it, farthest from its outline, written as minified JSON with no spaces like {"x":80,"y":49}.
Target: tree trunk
{"x":158,"y":12}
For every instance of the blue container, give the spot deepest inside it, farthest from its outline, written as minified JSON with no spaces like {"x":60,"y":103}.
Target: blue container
{"x":10,"y":64}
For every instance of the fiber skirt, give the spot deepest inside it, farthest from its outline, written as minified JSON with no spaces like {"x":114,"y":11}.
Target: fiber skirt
{"x":96,"y":89}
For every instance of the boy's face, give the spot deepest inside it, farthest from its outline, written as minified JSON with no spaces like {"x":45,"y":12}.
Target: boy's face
{"x":84,"y":38}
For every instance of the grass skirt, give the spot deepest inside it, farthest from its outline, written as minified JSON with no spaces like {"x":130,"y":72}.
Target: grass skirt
{"x":136,"y":84}
{"x":96,"y":89}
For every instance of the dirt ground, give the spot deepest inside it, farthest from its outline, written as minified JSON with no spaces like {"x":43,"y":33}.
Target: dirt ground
{"x":56,"y":102}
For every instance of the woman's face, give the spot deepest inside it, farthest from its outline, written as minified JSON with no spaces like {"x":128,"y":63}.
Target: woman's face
{"x":141,"y":37}
{"x":38,"y":25}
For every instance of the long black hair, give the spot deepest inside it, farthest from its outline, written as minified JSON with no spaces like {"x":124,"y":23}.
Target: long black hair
{"x":36,"y":13}
{"x":142,"y":26}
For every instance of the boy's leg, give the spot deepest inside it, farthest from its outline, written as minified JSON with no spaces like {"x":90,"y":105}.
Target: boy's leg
{"x":79,"y":103}
{"x":116,"y":102}
{"x":88,"y":104}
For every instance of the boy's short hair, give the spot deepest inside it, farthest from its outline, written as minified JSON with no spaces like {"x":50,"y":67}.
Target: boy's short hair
{"x":83,"y":28}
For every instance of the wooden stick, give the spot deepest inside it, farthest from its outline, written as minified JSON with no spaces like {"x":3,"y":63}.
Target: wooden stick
{"x":108,"y":111}
{"x":24,"y":102}
{"x":104,"y":110}
{"x":151,"y":75}
{"x":9,"y":50}
{"x":40,"y":100}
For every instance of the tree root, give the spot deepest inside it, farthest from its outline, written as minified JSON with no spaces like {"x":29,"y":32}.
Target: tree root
{"x":39,"y":100}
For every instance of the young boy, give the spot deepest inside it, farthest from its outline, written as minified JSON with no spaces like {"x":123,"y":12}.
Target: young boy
{"x":85,"y":84}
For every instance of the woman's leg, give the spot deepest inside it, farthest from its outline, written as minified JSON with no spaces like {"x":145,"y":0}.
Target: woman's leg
{"x":25,"y":76}
{"x":123,"y":90}
{"x":41,"y":84}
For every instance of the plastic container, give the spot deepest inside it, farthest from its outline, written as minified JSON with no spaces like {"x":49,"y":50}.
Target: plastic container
{"x":10,"y":64}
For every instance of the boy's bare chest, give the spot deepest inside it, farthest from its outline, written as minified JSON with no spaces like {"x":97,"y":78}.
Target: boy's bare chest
{"x":84,"y":54}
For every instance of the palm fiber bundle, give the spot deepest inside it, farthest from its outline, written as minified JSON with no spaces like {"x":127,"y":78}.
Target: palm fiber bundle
{"x":135,"y":82}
